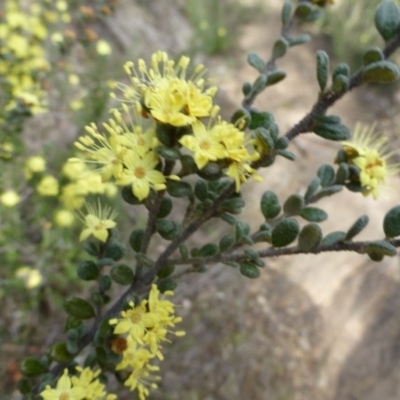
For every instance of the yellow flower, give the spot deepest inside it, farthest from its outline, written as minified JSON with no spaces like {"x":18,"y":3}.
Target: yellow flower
{"x":240,"y":172}
{"x":48,"y":186}
{"x":140,"y":172}
{"x":370,"y":153}
{"x":34,"y":165}
{"x":167,"y":93}
{"x":135,"y":321}
{"x":64,"y":218}
{"x":63,"y":390}
{"x":204,"y":143}
{"x":31,"y":277}
{"x":97,"y":222}
{"x":103,"y":48}
{"x":10,"y":198}
{"x":89,"y":382}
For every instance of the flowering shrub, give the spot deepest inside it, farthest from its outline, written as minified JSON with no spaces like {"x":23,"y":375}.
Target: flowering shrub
{"x":165,"y":139}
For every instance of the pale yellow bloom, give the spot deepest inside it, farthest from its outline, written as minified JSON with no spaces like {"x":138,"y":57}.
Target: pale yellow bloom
{"x":10,"y":198}
{"x":64,"y":218}
{"x":48,"y":186}
{"x":97,"y":221}
{"x":103,"y":48}
{"x":31,"y":277}
{"x":370,"y":152}
{"x":63,"y":390}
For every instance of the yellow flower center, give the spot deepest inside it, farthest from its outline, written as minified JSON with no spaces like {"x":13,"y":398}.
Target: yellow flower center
{"x":205,"y":145}
{"x":64,"y":396}
{"x":140,"y":172}
{"x":135,"y":318}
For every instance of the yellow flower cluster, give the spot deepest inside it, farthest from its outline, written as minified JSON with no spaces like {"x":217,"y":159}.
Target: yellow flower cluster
{"x":85,"y":386}
{"x":23,"y":59}
{"x":127,"y":154}
{"x":163,"y":96}
{"x":369,"y":152}
{"x":143,"y":327}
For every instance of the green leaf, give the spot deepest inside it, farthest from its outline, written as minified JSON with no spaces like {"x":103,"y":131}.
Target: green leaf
{"x":166,"y":285}
{"x":122,"y":274}
{"x":328,"y":191}
{"x":282,"y":143}
{"x":24,"y":386}
{"x":391,"y":222}
{"x":310,"y":237}
{"x":342,"y":174}
{"x":286,"y":154}
{"x":241,"y":230}
{"x":280,"y":48}
{"x":166,"y":271}
{"x":59,"y":353}
{"x":313,"y":214}
{"x":265,"y":137}
{"x":275,"y":77}
{"x":226,"y":242}
{"x":261,"y":119}
{"x":333,"y":238}
{"x":372,"y":55}
{"x":135,"y":239}
{"x":249,"y":270}
{"x":381,"y":72}
{"x":105,"y":283}
{"x":208,"y":250}
{"x":293,"y":205}
{"x":114,"y":250}
{"x":286,"y":11}
{"x":322,"y":69}
{"x":229,"y":219}
{"x":312,"y":188}
{"x":91,"y":248}
{"x":165,"y":208}
{"x":168,"y":153}
{"x":259,"y":84}
{"x":285,"y":232}
{"x":270,"y":207}
{"x":357,"y":227}
{"x":337,"y":132}
{"x":326,"y":174}
{"x":79,"y":308}
{"x":256,"y":62}
{"x":201,"y":190}
{"x":387,"y":19}
{"x":379,"y":249}
{"x":298,"y":40}
{"x":32,"y":367}
{"x":233,"y":205}
{"x":247,"y":88}
{"x":303,"y":10}
{"x":341,"y":69}
{"x":179,"y":189}
{"x":211,"y":172}
{"x":88,"y":271}
{"x":168,"y":230}
{"x":242,"y":114}
{"x":340,"y":84}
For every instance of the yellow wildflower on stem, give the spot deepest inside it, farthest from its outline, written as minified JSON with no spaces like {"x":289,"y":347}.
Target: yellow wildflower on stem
{"x":64,"y":390}
{"x":97,"y":221}
{"x":370,"y":153}
{"x":166,"y":92}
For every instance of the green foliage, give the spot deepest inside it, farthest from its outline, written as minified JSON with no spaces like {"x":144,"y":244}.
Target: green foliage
{"x":387,"y":19}
{"x":310,"y":237}
{"x":79,"y":308}
{"x":391,"y":222}
{"x":122,"y":274}
{"x":270,"y":207}
{"x":357,"y":227}
{"x":322,"y":69}
{"x":285,"y":232}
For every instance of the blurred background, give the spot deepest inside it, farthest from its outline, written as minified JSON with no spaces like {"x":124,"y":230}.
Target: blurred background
{"x":311,"y":327}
